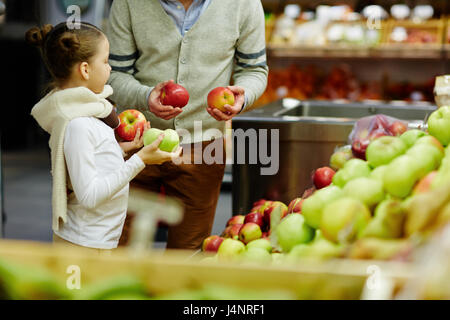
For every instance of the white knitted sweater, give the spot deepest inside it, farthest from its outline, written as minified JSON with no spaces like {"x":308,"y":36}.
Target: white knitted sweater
{"x":53,"y":113}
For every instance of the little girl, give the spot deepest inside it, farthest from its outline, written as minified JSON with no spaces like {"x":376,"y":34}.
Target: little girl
{"x":90,"y":177}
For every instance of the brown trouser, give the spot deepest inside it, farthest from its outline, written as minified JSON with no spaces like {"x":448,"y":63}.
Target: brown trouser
{"x":196,"y":185}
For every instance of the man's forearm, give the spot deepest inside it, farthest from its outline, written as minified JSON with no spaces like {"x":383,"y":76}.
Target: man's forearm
{"x":129,"y":92}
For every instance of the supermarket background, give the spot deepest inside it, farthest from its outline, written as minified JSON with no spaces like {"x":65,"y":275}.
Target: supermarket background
{"x":317,"y":50}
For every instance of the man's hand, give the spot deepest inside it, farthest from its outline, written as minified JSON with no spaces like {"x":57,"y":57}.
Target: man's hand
{"x":232,"y":111}
{"x":155,"y":106}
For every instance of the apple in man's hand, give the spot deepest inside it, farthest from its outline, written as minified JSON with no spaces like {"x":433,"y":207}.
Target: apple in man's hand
{"x":171,"y":140}
{"x":130,"y":121}
{"x":174,"y":95}
{"x":219,"y":97}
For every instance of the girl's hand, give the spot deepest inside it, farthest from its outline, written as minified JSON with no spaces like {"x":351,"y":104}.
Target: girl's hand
{"x":151,"y":154}
{"x":138,"y":141}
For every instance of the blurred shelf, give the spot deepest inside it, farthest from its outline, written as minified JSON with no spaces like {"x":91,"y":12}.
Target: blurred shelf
{"x":411,"y":52}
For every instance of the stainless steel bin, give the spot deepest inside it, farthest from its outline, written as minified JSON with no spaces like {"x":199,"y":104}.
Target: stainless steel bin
{"x":309,"y":132}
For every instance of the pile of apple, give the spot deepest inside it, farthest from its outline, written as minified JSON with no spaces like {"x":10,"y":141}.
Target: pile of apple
{"x":364,"y":209}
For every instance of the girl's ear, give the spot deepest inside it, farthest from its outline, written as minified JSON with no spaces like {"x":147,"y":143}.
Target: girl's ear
{"x":84,"y":70}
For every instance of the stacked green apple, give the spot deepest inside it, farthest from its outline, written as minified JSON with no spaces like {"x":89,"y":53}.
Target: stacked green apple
{"x":364,"y":212}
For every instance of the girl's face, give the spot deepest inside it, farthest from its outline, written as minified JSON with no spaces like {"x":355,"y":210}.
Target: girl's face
{"x":99,"y":67}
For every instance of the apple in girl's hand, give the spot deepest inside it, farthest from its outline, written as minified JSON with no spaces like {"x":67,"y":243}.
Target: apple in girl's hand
{"x":383,"y":150}
{"x":411,"y":136}
{"x":219,"y":97}
{"x":212,"y":243}
{"x":130,"y":121}
{"x":174,"y":95}
{"x":171,"y":140}
{"x":239,"y":219}
{"x":397,"y":128}
{"x":249,"y":232}
{"x":439,"y":125}
{"x":323,"y":177}
{"x":255,"y":217}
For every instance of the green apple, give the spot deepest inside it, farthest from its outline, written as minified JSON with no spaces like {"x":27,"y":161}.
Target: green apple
{"x":319,"y":248}
{"x":261,"y":244}
{"x":377,"y":173}
{"x":171,"y":140}
{"x":410,"y":137}
{"x":230,"y":249}
{"x":312,"y":207}
{"x":387,"y":222}
{"x":352,"y":169}
{"x":427,"y":156}
{"x":344,"y":220}
{"x":256,"y":255}
{"x":278,"y":258}
{"x":383,"y":150}
{"x":401,"y":175}
{"x":432,"y":141}
{"x":369,"y":191}
{"x":293,"y":230}
{"x":439,"y":125}
{"x":340,"y":157}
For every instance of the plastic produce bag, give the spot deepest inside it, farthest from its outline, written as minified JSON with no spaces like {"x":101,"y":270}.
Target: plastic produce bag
{"x":369,"y":128}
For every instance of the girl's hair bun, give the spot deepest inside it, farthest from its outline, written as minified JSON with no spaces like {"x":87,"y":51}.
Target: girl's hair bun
{"x":69,"y":42}
{"x":36,"y":36}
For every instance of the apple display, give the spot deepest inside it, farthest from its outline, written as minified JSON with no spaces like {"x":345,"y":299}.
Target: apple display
{"x":268,"y":211}
{"x":219,"y":97}
{"x":432,"y":141}
{"x":369,"y":191}
{"x":170,"y":142}
{"x":293,"y":231}
{"x":256,"y":256}
{"x":439,"y":125}
{"x":383,"y":150}
{"x":411,"y":136}
{"x":212,"y":243}
{"x":323,"y":177}
{"x":232,"y":231}
{"x":313,"y":206}
{"x":428,"y":157}
{"x":424,"y":184}
{"x":130,"y":121}
{"x":174,"y":95}
{"x":344,"y":220}
{"x":249,"y":232}
{"x":377,"y":173}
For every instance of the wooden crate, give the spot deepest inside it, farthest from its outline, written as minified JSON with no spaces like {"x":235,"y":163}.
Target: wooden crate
{"x":173,"y":271}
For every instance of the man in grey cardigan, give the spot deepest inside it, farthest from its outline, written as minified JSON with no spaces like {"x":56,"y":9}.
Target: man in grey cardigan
{"x":201,"y":45}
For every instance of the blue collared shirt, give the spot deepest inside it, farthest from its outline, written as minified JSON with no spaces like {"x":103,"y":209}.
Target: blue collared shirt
{"x":184,"y":20}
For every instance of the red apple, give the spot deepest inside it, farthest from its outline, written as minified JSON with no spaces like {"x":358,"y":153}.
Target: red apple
{"x":323,"y":177}
{"x":295,"y":206}
{"x":249,"y":232}
{"x":219,"y":97}
{"x":268,"y":210}
{"x":174,"y":95}
{"x":265,"y":235}
{"x":397,"y":128}
{"x":130,"y":121}
{"x":255,"y":217}
{"x":232,"y":231}
{"x":260,"y":202}
{"x":212,"y":243}
{"x":359,"y":148}
{"x":239,"y":219}
{"x":424,"y":184}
